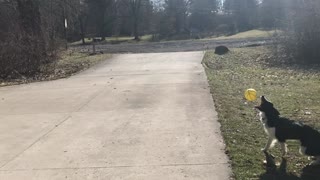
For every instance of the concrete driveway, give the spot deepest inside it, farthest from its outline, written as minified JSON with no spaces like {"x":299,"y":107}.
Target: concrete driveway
{"x":135,"y":116}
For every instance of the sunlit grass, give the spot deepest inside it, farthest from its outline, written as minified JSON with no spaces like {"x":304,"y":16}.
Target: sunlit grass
{"x":249,"y":34}
{"x":293,"y":91}
{"x":148,"y":38}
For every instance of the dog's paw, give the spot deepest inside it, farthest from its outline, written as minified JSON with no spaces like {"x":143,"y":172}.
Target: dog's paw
{"x":284,"y":155}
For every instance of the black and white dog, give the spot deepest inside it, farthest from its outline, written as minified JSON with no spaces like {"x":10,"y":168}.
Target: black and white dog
{"x":282,"y":129}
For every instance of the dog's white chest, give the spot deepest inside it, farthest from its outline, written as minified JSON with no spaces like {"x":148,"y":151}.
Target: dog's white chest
{"x":263,"y":118}
{"x":271,"y":131}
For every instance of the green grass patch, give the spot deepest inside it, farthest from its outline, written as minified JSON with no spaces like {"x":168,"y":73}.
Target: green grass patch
{"x":295,"y":93}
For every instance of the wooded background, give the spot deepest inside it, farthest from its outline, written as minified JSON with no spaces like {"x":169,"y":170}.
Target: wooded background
{"x":32,"y":31}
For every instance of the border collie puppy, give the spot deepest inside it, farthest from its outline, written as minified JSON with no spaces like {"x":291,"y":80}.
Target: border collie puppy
{"x":278,"y":128}
{"x":282,"y":129}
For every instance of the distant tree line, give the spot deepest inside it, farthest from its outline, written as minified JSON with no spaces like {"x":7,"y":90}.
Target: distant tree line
{"x":31,"y":31}
{"x":161,"y":18}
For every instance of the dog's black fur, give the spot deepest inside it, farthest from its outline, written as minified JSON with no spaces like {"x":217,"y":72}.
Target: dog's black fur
{"x":310,"y":140}
{"x":283,"y":129}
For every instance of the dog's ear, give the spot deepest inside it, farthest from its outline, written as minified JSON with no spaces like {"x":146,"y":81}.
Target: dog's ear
{"x":264,"y":99}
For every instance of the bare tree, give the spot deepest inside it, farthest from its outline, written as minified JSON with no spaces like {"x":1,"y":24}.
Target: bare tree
{"x":176,"y":13}
{"x":300,"y":41}
{"x":203,"y":13}
{"x":23,"y":46}
{"x":135,"y":9}
{"x":243,"y":13}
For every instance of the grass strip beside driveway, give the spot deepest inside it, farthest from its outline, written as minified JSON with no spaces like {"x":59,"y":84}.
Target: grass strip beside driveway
{"x":294,"y":91}
{"x":68,"y":64}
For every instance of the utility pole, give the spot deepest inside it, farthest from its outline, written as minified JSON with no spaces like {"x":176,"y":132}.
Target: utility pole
{"x":65,"y":23}
{"x":65,"y":32}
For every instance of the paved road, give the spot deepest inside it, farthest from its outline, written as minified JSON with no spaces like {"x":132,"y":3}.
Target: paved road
{"x":174,"y":46}
{"x":138,"y":116}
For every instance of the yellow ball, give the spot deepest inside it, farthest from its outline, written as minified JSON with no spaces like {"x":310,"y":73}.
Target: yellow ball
{"x":250,"y":94}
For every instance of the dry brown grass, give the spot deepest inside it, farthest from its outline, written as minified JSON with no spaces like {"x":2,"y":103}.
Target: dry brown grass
{"x":68,"y":64}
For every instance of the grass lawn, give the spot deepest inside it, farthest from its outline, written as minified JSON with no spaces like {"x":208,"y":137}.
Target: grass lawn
{"x":68,"y":63}
{"x":148,"y":38}
{"x":248,"y":34}
{"x":295,"y":93}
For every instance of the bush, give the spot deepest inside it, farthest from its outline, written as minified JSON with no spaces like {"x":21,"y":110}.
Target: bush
{"x":301,"y":38}
{"x":23,"y":46}
{"x":21,"y":54}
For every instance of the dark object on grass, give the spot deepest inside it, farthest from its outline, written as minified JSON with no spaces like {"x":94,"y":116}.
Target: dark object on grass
{"x":220,"y":50}
{"x":270,"y":163}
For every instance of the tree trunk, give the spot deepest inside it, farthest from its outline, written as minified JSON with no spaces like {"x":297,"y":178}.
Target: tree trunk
{"x":136,"y":5}
{"x":136,"y":31}
{"x":82,"y":33}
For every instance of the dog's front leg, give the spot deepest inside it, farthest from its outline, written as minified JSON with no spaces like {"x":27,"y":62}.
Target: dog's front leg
{"x":284,"y":148}
{"x":268,"y":145}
